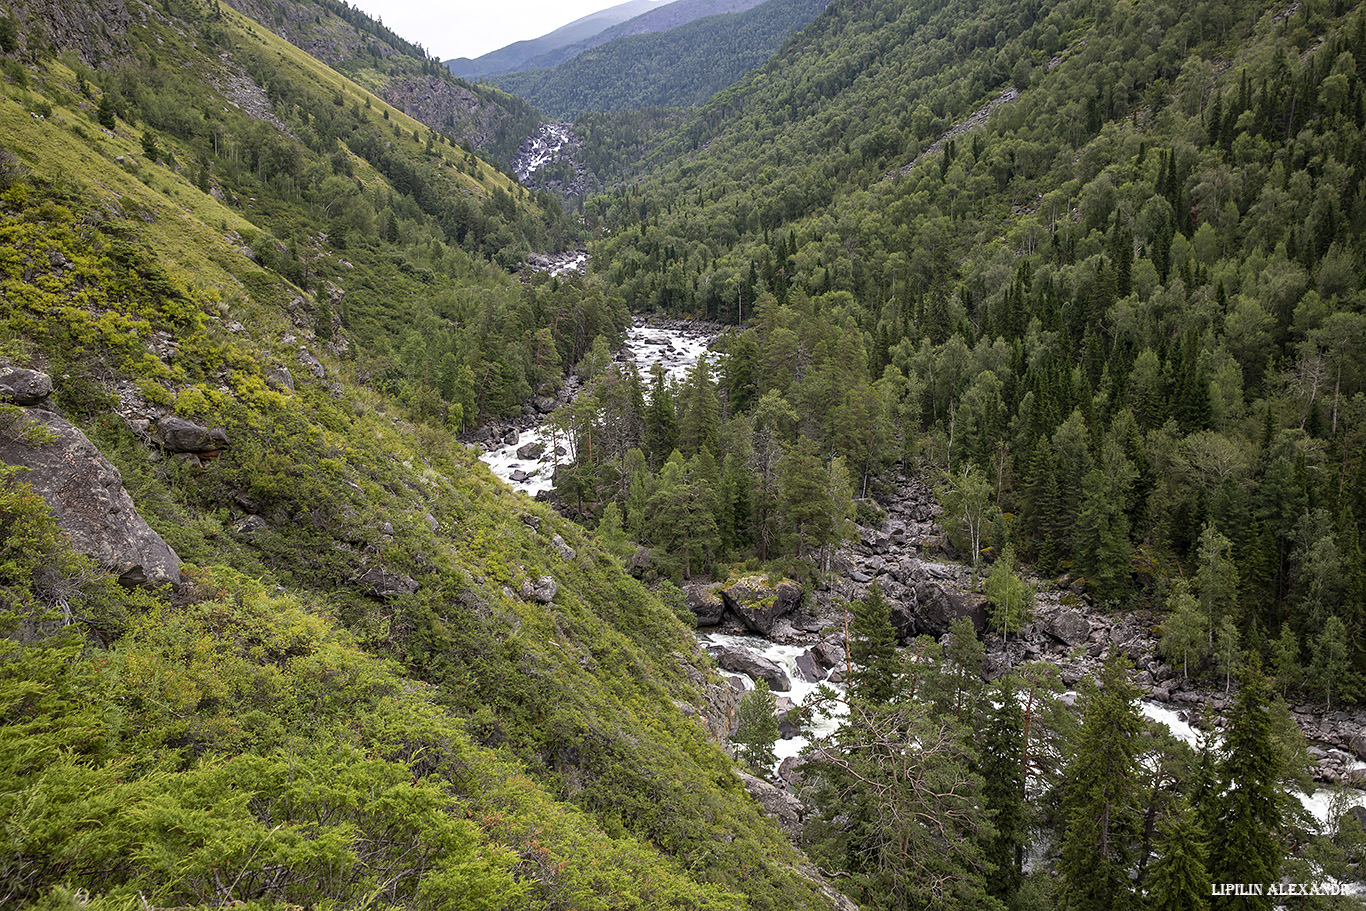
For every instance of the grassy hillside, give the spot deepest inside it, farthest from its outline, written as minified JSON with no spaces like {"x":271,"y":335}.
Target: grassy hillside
{"x":682,"y":66}
{"x":282,"y":729}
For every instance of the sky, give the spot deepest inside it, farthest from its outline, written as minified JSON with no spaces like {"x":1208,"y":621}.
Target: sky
{"x":472,"y":28}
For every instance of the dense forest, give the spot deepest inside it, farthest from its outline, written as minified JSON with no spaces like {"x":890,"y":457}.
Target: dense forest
{"x":1120,"y":322}
{"x":1095,"y":271}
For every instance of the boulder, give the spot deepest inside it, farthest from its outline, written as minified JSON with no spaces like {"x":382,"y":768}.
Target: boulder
{"x":1070,"y":628}
{"x":542,"y":590}
{"x":249,"y":526}
{"x":545,"y":404}
{"x":1357,"y":743}
{"x":829,"y":652}
{"x":531,"y":451}
{"x":564,"y":550}
{"x":705,"y":603}
{"x":936,"y":608}
{"x":758,"y":604}
{"x":23,"y":387}
{"x":180,"y":435}
{"x":85,"y":493}
{"x":781,"y":807}
{"x":903,"y":620}
{"x":743,"y":661}
{"x":806,"y":664}
{"x":385,"y":584}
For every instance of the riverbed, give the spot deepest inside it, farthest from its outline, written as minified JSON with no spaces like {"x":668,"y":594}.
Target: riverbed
{"x":676,"y":347}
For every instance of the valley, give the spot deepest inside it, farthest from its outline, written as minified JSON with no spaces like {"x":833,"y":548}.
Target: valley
{"x":842,"y":454}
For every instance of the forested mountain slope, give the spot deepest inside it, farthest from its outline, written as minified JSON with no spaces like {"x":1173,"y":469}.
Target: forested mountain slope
{"x":382,"y":678}
{"x":1127,"y":310}
{"x":682,"y":66}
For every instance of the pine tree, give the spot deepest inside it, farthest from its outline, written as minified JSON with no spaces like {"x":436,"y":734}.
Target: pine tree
{"x":756,"y":730}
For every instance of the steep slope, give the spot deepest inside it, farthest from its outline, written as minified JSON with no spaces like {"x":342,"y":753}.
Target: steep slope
{"x":383,"y":676}
{"x":679,"y":67}
{"x":400,"y":72}
{"x":516,"y":55}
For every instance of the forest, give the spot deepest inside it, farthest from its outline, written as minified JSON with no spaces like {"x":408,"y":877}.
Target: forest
{"x":1115,"y":320}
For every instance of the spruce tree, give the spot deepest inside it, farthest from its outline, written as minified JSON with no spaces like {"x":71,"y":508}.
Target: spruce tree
{"x":1179,"y":880}
{"x":1000,"y":750}
{"x":872,"y":647}
{"x":756,"y":730}
{"x":1248,"y":821}
{"x":1100,"y":796}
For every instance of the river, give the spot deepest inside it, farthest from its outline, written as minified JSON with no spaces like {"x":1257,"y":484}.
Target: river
{"x":677,"y":347}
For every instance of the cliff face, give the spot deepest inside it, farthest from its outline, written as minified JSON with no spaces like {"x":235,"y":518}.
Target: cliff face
{"x":92,"y":30}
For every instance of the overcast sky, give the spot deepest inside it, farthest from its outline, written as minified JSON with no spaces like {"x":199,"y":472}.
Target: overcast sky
{"x":472,"y":28}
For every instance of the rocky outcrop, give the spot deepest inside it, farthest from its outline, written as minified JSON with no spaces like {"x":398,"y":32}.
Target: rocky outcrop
{"x":743,"y":661}
{"x":780,"y":806}
{"x":705,"y":602}
{"x":85,"y":493}
{"x":541,"y":590}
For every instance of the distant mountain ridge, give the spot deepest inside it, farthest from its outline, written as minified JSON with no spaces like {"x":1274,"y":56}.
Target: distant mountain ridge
{"x":676,"y":68}
{"x":660,"y":19}
{"x":517,"y":55}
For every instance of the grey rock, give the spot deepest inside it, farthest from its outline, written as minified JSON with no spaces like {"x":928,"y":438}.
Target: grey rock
{"x":279,"y":378}
{"x":530,"y":521}
{"x":85,"y":493}
{"x":545,"y":404}
{"x":936,"y":608}
{"x":806,"y":664}
{"x":531,"y":451}
{"x":249,"y":526}
{"x":543,"y":590}
{"x":1070,"y":627}
{"x":180,"y":435}
{"x":19,"y":386}
{"x":517,"y":476}
{"x":781,"y":807}
{"x":564,"y":550}
{"x":790,"y":771}
{"x":829,"y":652}
{"x":861,"y":578}
{"x":311,"y":363}
{"x":510,"y":437}
{"x":385,"y":584}
{"x":705,"y":602}
{"x":758,"y":604}
{"x":1357,"y":743}
{"x":743,"y":661}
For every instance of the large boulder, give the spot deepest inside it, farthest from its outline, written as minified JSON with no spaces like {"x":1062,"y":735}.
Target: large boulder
{"x":85,"y":493}
{"x":743,"y":661}
{"x":180,"y":435}
{"x":23,"y":387}
{"x":1070,"y":627}
{"x":757,"y":604}
{"x":937,"y":607}
{"x":705,"y":602}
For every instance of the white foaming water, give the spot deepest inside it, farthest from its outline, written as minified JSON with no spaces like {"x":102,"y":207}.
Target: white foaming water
{"x":678,"y":350}
{"x":785,"y":656}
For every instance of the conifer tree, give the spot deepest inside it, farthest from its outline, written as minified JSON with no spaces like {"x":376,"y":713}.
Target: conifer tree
{"x":1248,"y":821}
{"x":1100,"y":796}
{"x":872,"y":647}
{"x":756,"y":730}
{"x":1179,"y":880}
{"x":1000,"y":748}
